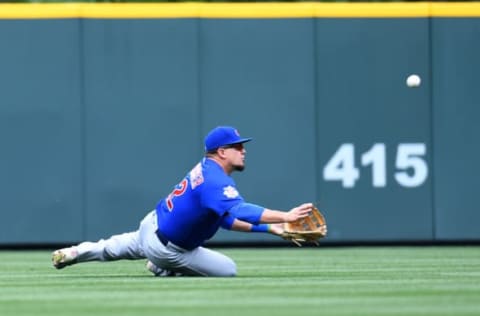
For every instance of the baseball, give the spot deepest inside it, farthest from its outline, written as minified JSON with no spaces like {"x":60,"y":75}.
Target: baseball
{"x":413,"y":81}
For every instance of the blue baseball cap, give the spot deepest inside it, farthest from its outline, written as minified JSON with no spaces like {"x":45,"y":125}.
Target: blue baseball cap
{"x":223,"y":136}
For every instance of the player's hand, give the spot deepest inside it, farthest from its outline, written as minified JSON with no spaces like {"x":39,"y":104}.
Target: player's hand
{"x":276,"y":229}
{"x":300,"y":211}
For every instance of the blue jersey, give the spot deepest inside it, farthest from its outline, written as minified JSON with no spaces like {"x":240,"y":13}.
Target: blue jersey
{"x":198,"y":205}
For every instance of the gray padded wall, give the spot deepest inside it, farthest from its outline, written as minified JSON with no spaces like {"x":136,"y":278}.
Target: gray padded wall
{"x":456,"y":111}
{"x":100,"y":118}
{"x":40,"y":132}
{"x":362,"y":65}
{"x":142,"y":121}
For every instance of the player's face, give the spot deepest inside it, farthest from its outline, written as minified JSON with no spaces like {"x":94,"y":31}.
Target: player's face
{"x":236,"y":156}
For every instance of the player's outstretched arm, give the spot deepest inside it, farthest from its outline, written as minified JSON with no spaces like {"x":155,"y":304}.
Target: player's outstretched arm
{"x":274,"y":216}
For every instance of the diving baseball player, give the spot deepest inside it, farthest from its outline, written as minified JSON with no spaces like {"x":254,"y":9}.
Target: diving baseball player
{"x":171,"y":236}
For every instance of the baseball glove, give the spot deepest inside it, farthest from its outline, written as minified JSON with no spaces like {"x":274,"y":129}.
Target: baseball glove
{"x":307,"y":229}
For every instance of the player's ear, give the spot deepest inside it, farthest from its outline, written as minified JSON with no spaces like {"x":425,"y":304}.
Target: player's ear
{"x":213,"y":152}
{"x":221,"y":152}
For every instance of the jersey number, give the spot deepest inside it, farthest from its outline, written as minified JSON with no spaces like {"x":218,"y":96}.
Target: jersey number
{"x":179,"y":190}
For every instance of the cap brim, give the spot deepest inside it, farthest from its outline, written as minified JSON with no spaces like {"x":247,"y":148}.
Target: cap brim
{"x":241,"y":141}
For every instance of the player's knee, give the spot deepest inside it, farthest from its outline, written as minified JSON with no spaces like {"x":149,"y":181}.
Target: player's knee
{"x":230,"y":270}
{"x":232,"y":273}
{"x":112,"y":252}
{"x":109,"y":254}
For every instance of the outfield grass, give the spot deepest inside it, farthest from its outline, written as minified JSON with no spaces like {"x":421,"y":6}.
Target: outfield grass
{"x":286,"y":281}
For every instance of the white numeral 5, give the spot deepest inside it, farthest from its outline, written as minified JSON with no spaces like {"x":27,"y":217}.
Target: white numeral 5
{"x":408,"y":157}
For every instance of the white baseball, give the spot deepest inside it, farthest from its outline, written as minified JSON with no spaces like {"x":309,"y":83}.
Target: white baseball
{"x":414,"y":81}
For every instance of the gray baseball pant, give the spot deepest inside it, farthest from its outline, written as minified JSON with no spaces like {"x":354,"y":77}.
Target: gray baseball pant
{"x":144,"y":243}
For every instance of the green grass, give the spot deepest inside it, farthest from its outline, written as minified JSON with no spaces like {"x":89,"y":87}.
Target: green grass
{"x":286,"y":281}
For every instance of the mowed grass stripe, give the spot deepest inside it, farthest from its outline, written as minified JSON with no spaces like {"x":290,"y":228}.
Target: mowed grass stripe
{"x":279,"y":281}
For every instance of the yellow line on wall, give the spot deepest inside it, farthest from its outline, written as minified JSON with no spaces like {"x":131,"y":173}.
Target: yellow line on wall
{"x":238,"y":10}
{"x":461,"y":9}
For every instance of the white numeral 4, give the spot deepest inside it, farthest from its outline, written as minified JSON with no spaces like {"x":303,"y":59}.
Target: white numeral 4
{"x":341,"y":167}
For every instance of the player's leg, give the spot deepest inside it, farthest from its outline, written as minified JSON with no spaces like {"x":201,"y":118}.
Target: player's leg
{"x":154,"y":250}
{"x":123,"y":246}
{"x":200,"y":262}
{"x":170,"y":258}
{"x":204,"y":262}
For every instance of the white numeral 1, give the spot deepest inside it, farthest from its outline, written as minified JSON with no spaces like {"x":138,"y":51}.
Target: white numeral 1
{"x":376,"y":157}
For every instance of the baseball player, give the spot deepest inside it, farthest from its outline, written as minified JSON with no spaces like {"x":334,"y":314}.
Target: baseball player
{"x":171,"y":236}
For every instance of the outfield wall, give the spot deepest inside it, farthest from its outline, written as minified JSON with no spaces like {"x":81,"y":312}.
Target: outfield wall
{"x":104,"y":108}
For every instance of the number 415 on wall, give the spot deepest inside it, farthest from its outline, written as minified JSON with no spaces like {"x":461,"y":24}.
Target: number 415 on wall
{"x":412,"y":170}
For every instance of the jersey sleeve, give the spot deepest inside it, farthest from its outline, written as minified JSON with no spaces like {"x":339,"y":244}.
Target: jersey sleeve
{"x":247,"y":212}
{"x":227,"y":222}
